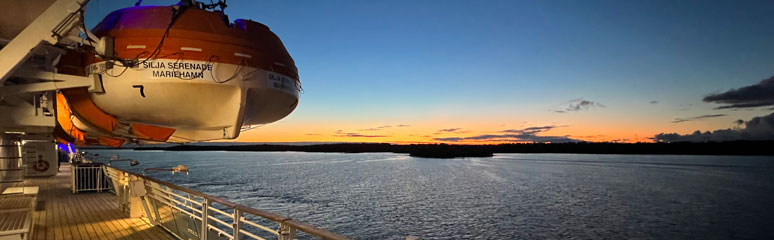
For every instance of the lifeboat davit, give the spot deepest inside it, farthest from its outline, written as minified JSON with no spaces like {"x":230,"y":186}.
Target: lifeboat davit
{"x":178,"y":74}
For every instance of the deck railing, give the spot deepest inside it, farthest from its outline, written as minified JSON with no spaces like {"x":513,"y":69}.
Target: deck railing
{"x":88,"y":177}
{"x":189,"y":214}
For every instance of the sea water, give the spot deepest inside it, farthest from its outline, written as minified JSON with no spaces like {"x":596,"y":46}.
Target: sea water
{"x":509,"y":196}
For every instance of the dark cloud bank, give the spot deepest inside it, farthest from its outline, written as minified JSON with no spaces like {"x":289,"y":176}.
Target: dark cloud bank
{"x":758,"y":128}
{"x":516,"y":135}
{"x":756,"y":95}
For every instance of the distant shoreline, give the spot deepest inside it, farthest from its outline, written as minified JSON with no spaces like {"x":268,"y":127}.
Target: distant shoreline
{"x":451,"y":150}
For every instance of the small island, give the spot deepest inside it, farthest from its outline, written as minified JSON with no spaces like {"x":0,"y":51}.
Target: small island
{"x":449,"y":151}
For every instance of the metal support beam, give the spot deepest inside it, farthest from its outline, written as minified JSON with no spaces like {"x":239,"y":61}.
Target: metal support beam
{"x":26,"y":111}
{"x":52,"y":81}
{"x":50,"y":26}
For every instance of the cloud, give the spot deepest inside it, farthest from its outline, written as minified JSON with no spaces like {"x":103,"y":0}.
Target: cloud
{"x":758,"y":128}
{"x":362,"y":135}
{"x":654,"y":102}
{"x":449,"y":130}
{"x":579,"y":105}
{"x":532,"y":129}
{"x":688,"y":119}
{"x":376,"y":128}
{"x":515,"y":135}
{"x":450,"y":139}
{"x":341,"y":133}
{"x":592,"y":136}
{"x":403,"y":125}
{"x":756,"y":95}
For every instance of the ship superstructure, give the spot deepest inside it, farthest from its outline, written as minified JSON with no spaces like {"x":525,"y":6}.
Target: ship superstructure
{"x":181,"y":73}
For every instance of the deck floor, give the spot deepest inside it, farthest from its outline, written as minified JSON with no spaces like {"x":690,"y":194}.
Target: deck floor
{"x":60,"y":214}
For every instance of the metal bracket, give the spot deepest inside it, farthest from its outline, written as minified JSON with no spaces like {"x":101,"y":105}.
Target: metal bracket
{"x":51,"y":81}
{"x":96,"y":86}
{"x":49,"y":27}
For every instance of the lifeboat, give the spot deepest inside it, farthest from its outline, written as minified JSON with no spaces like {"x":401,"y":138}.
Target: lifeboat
{"x":176,"y":74}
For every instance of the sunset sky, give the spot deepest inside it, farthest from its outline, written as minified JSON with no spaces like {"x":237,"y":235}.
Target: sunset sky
{"x":515,"y":71}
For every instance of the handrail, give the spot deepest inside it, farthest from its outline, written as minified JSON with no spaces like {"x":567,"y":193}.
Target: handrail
{"x":313,"y":230}
{"x":264,"y":214}
{"x":318,"y":232}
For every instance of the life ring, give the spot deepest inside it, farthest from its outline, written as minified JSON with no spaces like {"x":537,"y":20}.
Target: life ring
{"x":41,"y":166}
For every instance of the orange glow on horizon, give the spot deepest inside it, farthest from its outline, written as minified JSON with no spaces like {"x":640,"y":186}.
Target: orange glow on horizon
{"x":486,"y":133}
{"x":468,"y":128}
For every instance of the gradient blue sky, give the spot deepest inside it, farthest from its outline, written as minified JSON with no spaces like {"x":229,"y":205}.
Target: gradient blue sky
{"x":485,"y":66}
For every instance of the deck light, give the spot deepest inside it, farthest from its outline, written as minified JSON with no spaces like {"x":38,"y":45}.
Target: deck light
{"x":132,"y":162}
{"x":179,"y":168}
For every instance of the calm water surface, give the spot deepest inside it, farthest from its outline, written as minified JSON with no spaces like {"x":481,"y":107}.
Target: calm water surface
{"x":510,"y":196}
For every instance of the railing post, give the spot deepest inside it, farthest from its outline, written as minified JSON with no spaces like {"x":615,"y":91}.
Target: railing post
{"x":286,"y":232}
{"x":99,"y":179}
{"x":205,"y":217}
{"x":237,"y":223}
{"x":188,"y":202}
{"x":147,"y":210}
{"x":72,"y":178}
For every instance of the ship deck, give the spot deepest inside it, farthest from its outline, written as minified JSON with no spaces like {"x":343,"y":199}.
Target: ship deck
{"x":60,"y":214}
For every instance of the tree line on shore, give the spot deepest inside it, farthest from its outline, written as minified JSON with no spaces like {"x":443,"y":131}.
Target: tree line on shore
{"x":454,"y":150}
